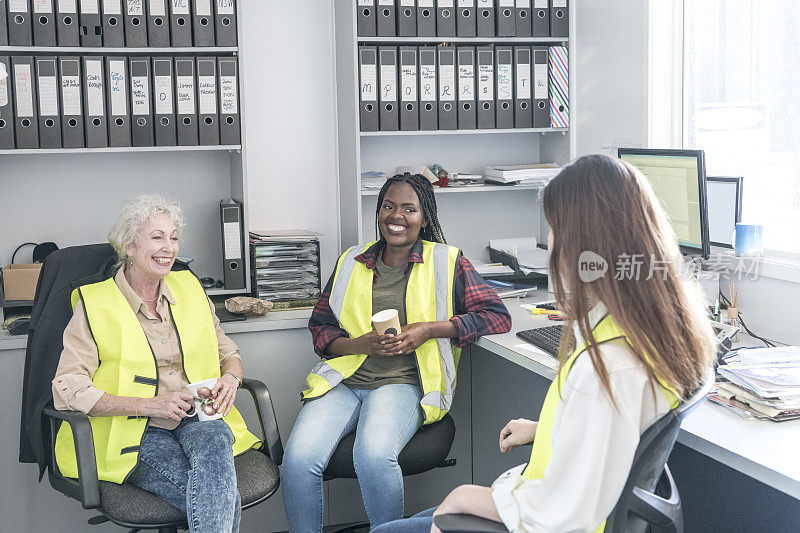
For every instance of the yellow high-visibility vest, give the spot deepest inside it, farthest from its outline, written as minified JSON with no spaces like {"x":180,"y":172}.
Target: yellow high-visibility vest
{"x":128,"y":368}
{"x":429,"y":297}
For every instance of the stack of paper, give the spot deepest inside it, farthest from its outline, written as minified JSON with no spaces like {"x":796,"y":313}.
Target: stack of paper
{"x":537,"y":174}
{"x":372,"y":180}
{"x":530,"y":257}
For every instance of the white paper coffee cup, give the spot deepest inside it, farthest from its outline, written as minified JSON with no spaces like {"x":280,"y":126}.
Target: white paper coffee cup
{"x":387,"y":322}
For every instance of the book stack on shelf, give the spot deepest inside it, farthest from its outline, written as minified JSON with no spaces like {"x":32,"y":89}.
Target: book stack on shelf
{"x":284,"y":265}
{"x":538,"y":174}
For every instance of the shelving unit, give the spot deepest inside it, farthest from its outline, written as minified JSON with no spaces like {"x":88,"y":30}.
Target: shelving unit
{"x":83,"y":50}
{"x":507,"y":211}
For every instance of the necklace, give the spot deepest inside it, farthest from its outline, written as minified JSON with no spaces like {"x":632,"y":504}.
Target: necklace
{"x":153,"y":300}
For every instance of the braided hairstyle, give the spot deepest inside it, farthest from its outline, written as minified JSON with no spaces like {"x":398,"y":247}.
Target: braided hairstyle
{"x":433,"y":231}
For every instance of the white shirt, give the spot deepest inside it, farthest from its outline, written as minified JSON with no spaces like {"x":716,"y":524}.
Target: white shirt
{"x":593,"y":445}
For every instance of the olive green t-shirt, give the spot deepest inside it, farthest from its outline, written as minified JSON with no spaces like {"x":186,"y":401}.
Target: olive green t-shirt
{"x":389,"y":292}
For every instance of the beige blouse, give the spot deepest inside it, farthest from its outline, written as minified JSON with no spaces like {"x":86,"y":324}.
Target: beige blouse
{"x":73,"y":388}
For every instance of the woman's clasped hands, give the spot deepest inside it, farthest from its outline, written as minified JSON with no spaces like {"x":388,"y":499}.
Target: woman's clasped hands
{"x":411,"y":337}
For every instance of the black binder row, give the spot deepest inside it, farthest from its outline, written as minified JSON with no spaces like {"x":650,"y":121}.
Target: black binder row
{"x":118,"y":23}
{"x":462,"y":18}
{"x":97,"y":102}
{"x":463,"y":87}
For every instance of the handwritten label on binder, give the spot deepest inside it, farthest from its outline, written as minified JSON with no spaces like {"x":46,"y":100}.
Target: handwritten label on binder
{"x":485,"y":78}
{"x":466,"y":3}
{"x":42,"y":6}
{"x":112,"y":7}
{"x":180,"y":7}
{"x":408,"y":81}
{"x":23,"y":85}
{"x":366,"y":3}
{"x":207,"y":88}
{"x":185,"y":89}
{"x":202,"y":8}
{"x":116,"y":87}
{"x":158,"y":8}
{"x":140,"y":99}
{"x":229,"y":103}
{"x":90,"y":7}
{"x":48,"y":96}
{"x":163,"y":90}
{"x":225,"y":7}
{"x":447,"y":83}
{"x":559,"y":3}
{"x":94,"y":89}
{"x":71,"y":94}
{"x":3,"y":91}
{"x":135,"y":7}
{"x":388,"y":83}
{"x":540,"y":78}
{"x":504,"y":87}
{"x":369,"y":83}
{"x":523,"y":80}
{"x":427,"y":74}
{"x":466,"y":77}
{"x":18,"y":6}
{"x":67,"y":6}
{"x":486,"y":3}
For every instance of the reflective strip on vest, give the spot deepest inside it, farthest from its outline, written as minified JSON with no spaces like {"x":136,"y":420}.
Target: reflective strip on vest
{"x":328,"y":373}
{"x":346,"y":266}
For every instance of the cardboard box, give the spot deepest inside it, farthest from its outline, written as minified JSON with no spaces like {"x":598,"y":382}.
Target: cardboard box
{"x":19,"y":281}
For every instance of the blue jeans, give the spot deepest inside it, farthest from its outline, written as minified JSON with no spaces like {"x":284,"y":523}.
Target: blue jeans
{"x":191,"y":468}
{"x":385,"y":419}
{"x":419,"y":523}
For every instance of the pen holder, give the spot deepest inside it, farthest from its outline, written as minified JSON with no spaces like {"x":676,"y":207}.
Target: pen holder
{"x":733,"y":320}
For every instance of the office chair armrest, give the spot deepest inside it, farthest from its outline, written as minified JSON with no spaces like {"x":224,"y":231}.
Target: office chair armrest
{"x":656,"y":510}
{"x":88,"y":485}
{"x":270,"y":435}
{"x":464,"y":523}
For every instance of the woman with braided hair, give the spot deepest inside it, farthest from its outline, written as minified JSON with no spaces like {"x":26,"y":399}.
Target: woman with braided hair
{"x":384,"y":387}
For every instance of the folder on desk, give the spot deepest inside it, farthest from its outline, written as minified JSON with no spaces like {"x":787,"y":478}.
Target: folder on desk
{"x":407,"y":18}
{"x":203,"y":23}
{"x":522,"y":87}
{"x":180,"y":23}
{"x":94,"y":102}
{"x":445,"y":18}
{"x":231,"y":217}
{"x":368,"y":80}
{"x":466,"y":88}
{"x":185,"y":90}
{"x":49,"y":115}
{"x":6,"y":106}
{"x":559,"y":87}
{"x":157,"y":24}
{"x":72,"y":126}
{"x":559,"y":18}
{"x":541,"y":88}
{"x":164,"y":102}
{"x":386,"y":18}
{"x":91,"y":24}
{"x":119,"y":127}
{"x":208,"y":123}
{"x":135,"y":24}
{"x":67,"y":26}
{"x":229,"y":124}
{"x":506,"y":18}
{"x":540,"y":18}
{"x":387,"y":77}
{"x":113,"y":24}
{"x":20,"y":29}
{"x":428,"y":89}
{"x":504,"y":74}
{"x":465,"y":19}
{"x":409,"y":102}
{"x":522,"y":12}
{"x":426,"y":18}
{"x":3,"y":23}
{"x":365,"y":18}
{"x":486,"y":103}
{"x":141,"y":96}
{"x":44,"y":23}
{"x":26,"y":126}
{"x":447,"y":88}
{"x":225,"y":18}
{"x":484,"y":18}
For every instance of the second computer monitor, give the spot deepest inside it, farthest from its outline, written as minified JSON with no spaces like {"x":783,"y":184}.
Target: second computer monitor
{"x":678,"y":178}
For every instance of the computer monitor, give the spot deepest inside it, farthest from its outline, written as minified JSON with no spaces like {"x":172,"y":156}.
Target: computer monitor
{"x":724,"y":209}
{"x":678,"y":178}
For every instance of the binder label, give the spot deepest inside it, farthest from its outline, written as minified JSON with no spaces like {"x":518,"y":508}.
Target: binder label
{"x":185,"y":89}
{"x":180,"y":7}
{"x":135,"y":7}
{"x":427,"y":74}
{"x":71,"y":95}
{"x":228,"y":102}
{"x":140,"y":101}
{"x":112,"y":7}
{"x":94,"y":89}
{"x":540,"y":4}
{"x":231,"y":235}
{"x":424,"y":3}
{"x":408,"y":81}
{"x":523,"y":80}
{"x":116,"y":75}
{"x":505,"y":3}
{"x":523,"y":4}
{"x":207,"y":87}
{"x":18,"y":6}
{"x":366,"y":3}
{"x":385,"y":2}
{"x":42,"y":6}
{"x":466,"y":79}
{"x":369,"y":83}
{"x":225,"y":7}
{"x":485,"y":82}
{"x":540,"y":81}
{"x":23,"y":85}
{"x":3,"y":91}
{"x":48,"y":96}
{"x":158,"y":8}
{"x":163,"y":87}
{"x":407,"y":3}
{"x":202,"y":8}
{"x":447,"y":83}
{"x":504,"y":88}
{"x":466,"y":3}
{"x":67,"y":6}
{"x":559,"y":3}
{"x":388,"y":83}
{"x":445,"y":3}
{"x":90,"y":7}
{"x":486,"y":3}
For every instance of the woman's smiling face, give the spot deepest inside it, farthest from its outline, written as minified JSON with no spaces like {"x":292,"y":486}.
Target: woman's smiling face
{"x":156,"y":247}
{"x":401,"y":219}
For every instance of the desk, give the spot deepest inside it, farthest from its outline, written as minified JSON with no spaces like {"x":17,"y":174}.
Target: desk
{"x":765,"y":451}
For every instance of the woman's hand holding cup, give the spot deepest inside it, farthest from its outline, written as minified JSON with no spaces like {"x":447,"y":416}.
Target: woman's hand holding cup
{"x":174,"y":406}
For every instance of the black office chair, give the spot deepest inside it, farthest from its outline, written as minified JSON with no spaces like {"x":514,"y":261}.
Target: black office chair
{"x":426,"y":450}
{"x":126,"y":505}
{"x":650,"y":499}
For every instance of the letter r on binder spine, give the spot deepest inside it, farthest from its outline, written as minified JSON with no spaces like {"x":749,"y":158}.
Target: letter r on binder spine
{"x":466,"y":88}
{"x":541,"y":88}
{"x":447,"y":88}
{"x":232,"y":244}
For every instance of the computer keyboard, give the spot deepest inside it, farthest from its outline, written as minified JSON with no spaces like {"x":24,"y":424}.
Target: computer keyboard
{"x":546,"y":338}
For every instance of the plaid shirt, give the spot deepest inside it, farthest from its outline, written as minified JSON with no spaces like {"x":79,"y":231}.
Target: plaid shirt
{"x":478,"y":309}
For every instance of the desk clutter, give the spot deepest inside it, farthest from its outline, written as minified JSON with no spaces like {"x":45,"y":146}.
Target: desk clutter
{"x":118,"y":23}
{"x":445,"y":87}
{"x":470,"y":18}
{"x":285,"y":265}
{"x":118,"y":101}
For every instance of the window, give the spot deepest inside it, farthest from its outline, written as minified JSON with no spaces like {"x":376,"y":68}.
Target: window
{"x":742,"y":105}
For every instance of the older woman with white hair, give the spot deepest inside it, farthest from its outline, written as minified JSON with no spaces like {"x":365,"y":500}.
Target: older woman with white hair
{"x":133,"y":344}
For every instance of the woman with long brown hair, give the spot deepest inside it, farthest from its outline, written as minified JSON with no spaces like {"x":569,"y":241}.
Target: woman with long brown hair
{"x":643,"y":344}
